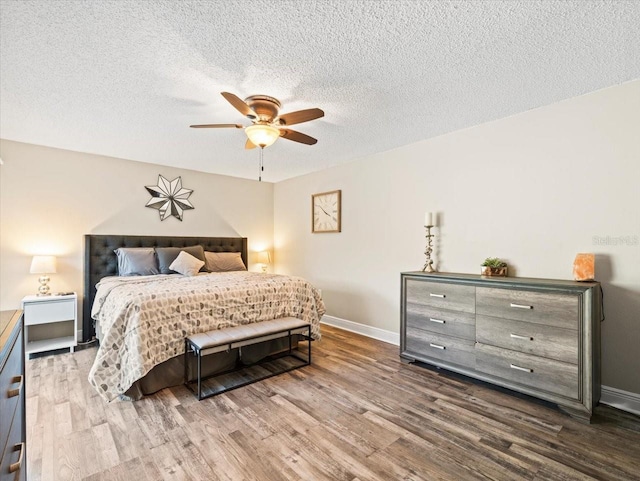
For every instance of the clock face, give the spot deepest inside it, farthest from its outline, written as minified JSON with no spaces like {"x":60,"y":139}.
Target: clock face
{"x":325,"y":210}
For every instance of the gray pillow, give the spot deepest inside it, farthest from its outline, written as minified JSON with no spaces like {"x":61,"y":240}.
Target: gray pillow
{"x":136,"y":261}
{"x":224,"y":261}
{"x":166,"y":255}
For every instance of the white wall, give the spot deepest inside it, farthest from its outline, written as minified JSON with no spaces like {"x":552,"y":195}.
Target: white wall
{"x":534,"y":189}
{"x":51,"y":198}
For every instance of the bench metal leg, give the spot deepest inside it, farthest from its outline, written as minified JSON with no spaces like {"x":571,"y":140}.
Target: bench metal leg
{"x":191,"y":349}
{"x":309,"y":340}
{"x":186,"y":361}
{"x":199,"y":376}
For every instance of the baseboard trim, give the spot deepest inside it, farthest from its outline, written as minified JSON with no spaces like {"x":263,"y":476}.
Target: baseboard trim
{"x":617,"y":398}
{"x":369,"y":331}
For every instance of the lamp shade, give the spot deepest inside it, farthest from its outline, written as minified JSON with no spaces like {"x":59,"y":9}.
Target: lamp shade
{"x":264,"y":257}
{"x":262,"y":135}
{"x":43,"y":265}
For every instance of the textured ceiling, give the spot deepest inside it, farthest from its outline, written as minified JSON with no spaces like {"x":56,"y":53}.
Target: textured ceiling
{"x":126,"y":78}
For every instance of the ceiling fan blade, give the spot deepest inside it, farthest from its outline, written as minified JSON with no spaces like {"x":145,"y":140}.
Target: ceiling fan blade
{"x":240,"y":105}
{"x":301,"y":116}
{"x":217,"y":126}
{"x":249,"y":145}
{"x":297,"y":136}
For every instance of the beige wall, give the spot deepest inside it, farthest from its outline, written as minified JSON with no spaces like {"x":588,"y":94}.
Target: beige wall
{"x":50,"y":198}
{"x":535,"y":189}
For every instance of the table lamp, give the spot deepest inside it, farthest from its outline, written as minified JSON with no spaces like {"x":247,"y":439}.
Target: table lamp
{"x":264,"y":258}
{"x":43,"y":265}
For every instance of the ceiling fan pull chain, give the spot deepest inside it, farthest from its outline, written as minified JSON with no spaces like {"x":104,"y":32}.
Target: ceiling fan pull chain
{"x":261,"y":164}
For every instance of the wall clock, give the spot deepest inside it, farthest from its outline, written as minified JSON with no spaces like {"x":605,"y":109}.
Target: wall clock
{"x":325,"y":212}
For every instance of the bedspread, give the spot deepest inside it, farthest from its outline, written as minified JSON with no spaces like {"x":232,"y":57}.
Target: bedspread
{"x":146,"y":319}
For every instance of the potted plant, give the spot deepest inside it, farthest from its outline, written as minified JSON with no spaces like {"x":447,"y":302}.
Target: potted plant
{"x":492,"y":266}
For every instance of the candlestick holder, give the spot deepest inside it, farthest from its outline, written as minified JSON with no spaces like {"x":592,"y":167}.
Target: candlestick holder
{"x":428,"y":265}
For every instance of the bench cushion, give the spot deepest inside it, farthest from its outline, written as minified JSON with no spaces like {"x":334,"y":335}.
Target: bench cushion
{"x":238,"y":333}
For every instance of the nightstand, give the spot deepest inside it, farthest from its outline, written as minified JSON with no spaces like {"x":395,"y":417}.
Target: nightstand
{"x":50,"y":322}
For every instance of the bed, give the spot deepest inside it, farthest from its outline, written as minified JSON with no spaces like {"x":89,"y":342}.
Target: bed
{"x":142,"y":320}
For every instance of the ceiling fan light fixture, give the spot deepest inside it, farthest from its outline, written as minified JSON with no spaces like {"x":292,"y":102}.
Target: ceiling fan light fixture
{"x":262,"y":135}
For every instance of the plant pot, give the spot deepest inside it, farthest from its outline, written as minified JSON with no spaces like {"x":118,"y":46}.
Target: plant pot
{"x":494,"y":271}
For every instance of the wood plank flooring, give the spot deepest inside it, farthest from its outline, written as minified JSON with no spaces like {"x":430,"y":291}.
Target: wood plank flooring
{"x":356,"y":414}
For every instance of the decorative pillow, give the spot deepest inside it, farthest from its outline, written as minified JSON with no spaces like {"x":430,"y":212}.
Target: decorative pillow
{"x":136,"y":261}
{"x":166,"y":255}
{"x":224,"y":261}
{"x":186,"y":264}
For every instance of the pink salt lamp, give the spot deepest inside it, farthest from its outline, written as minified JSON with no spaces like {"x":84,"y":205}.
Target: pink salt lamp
{"x":584,"y":267}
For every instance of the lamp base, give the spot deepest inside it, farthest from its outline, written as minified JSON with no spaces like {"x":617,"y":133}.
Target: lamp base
{"x":43,"y":290}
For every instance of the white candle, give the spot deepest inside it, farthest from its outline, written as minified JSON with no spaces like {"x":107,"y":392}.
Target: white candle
{"x":428,"y":218}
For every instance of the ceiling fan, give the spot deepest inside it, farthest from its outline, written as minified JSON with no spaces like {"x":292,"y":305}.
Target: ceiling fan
{"x":268,"y":125}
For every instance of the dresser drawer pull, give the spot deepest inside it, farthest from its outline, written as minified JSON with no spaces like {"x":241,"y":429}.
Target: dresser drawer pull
{"x":518,"y":336}
{"x":439,"y":321}
{"x":441,"y":296}
{"x":521,"y":306}
{"x":437,"y":346}
{"x":518,"y":368}
{"x":17,"y":465}
{"x":16,"y":391}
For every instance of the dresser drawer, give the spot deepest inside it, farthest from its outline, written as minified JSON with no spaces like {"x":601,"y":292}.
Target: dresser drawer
{"x":11,"y":386}
{"x":450,"y":323}
{"x":553,"y":309}
{"x":441,"y":295}
{"x":49,"y":311}
{"x":530,"y":371}
{"x":528,"y":337}
{"x":14,"y":452}
{"x":451,"y":349}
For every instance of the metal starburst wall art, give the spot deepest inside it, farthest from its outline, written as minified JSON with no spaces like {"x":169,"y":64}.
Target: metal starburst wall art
{"x":169,"y":198}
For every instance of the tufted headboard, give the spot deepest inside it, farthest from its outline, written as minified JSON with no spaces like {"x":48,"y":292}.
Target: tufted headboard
{"x":100,"y":260}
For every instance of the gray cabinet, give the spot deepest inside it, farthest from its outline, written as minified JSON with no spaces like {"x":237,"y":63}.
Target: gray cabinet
{"x":540,"y":337}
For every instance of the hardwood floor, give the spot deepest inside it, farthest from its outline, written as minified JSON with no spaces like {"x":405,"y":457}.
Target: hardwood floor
{"x":356,"y":414}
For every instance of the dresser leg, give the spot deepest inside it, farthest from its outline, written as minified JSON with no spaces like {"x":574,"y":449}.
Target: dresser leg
{"x":581,"y":416}
{"x":406,"y":361}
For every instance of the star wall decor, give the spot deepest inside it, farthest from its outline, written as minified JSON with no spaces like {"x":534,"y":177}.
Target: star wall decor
{"x":169,"y":197}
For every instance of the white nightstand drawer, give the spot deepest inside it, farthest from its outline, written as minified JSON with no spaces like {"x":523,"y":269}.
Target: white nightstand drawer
{"x":49,"y":311}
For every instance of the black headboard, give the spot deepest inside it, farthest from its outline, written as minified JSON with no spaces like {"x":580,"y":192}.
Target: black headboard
{"x":100,"y":260}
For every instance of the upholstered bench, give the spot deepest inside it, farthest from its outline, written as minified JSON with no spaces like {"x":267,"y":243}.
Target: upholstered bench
{"x":237,"y":337}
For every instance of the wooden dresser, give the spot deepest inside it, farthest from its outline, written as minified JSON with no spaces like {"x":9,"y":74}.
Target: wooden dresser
{"x":13,"y":466}
{"x":540,"y":337}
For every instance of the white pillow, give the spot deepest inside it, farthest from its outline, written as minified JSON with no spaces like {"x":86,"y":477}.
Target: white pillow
{"x":186,"y":264}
